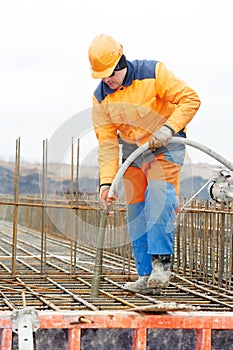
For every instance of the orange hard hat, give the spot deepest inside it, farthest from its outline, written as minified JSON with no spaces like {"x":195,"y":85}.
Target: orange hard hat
{"x":104,"y":53}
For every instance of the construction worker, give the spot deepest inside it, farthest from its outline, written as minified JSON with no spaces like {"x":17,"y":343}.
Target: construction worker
{"x":136,"y":102}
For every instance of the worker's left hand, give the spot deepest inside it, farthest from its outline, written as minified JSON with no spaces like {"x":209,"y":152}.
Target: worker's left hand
{"x":161,"y":137}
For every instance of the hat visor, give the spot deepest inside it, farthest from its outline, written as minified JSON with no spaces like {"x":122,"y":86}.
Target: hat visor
{"x":104,"y":74}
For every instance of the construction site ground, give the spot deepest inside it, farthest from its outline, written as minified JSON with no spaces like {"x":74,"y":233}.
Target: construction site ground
{"x":192,"y":313}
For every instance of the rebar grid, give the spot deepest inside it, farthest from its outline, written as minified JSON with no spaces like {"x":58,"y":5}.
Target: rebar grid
{"x":56,"y":237}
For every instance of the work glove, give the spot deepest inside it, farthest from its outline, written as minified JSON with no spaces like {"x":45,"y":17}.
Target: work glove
{"x":103,"y":195}
{"x":161,"y":137}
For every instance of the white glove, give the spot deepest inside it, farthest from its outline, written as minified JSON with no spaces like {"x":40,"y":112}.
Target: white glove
{"x":161,"y":137}
{"x":103,"y":194}
{"x":106,"y":202}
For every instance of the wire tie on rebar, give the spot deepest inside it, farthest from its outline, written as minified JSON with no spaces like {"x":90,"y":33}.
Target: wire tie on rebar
{"x":81,"y":319}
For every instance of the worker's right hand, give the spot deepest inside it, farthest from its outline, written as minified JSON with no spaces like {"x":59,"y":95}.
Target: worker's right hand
{"x":104,"y":189}
{"x":103,"y":195}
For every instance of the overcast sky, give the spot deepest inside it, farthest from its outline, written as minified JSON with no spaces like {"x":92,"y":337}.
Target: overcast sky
{"x":44,"y":69}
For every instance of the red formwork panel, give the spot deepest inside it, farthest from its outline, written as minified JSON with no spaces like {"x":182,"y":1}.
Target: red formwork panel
{"x":6,"y":331}
{"x":202,"y":322}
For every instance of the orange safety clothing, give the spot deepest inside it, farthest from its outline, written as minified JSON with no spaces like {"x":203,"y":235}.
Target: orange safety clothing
{"x":149,"y":97}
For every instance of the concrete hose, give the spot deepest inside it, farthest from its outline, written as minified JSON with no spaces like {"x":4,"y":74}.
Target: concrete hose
{"x":179,"y":140}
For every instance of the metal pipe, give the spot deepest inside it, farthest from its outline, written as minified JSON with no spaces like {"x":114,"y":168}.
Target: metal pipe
{"x":76,"y":210}
{"x":16,"y":208}
{"x":99,"y":254}
{"x":71,"y":216}
{"x":43,"y":213}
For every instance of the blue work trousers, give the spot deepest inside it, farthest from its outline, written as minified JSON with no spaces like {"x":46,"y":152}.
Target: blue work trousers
{"x":152,"y":203}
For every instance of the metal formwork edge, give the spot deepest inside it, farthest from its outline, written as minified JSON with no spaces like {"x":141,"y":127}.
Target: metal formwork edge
{"x":202,"y":322}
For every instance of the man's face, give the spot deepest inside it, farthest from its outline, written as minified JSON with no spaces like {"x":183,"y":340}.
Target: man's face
{"x":115,"y":80}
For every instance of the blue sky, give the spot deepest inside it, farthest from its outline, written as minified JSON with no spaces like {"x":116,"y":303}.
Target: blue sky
{"x":44,"y":68}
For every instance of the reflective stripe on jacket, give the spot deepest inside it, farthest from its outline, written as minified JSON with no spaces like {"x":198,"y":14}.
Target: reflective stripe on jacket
{"x":150,"y":96}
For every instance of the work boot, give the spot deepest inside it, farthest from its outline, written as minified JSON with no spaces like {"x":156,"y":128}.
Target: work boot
{"x":139,"y":286}
{"x":161,"y":272}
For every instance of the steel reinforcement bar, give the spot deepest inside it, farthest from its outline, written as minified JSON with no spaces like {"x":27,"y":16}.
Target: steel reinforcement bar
{"x":59,"y":290}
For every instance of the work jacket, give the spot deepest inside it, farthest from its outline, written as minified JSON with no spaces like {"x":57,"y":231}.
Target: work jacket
{"x":149,"y":97}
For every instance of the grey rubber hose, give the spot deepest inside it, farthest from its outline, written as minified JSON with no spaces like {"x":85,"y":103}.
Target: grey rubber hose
{"x":179,"y":140}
